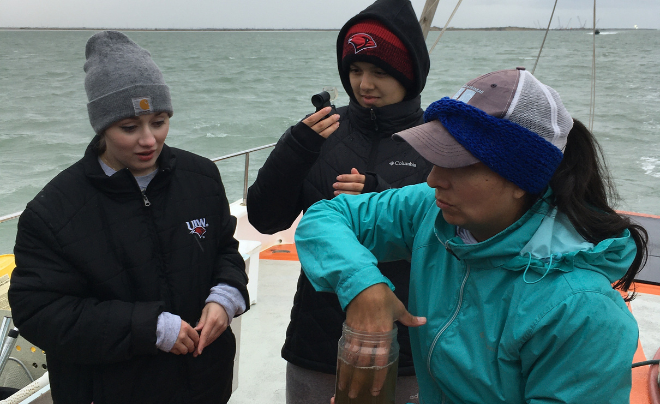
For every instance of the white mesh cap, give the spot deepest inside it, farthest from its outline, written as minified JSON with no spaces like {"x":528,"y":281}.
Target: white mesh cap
{"x":538,"y":108}
{"x":508,"y":120}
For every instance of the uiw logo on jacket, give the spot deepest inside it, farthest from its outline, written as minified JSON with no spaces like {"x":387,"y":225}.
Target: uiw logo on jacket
{"x":197,"y":226}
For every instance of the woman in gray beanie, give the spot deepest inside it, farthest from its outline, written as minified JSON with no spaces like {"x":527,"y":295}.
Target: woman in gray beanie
{"x":127,"y":272}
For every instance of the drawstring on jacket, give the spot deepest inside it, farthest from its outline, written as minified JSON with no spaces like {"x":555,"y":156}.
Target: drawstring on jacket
{"x":529,"y":263}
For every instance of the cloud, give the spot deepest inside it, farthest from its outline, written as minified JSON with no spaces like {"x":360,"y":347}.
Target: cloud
{"x":319,"y":14}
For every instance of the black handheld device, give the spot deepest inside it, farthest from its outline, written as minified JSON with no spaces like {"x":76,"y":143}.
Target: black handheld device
{"x":322,"y":100}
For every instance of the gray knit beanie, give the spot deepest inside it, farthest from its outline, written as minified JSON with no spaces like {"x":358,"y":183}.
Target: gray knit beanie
{"x":122,"y":81}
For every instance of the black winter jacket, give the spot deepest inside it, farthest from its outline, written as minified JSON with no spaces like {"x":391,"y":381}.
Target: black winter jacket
{"x":98,"y":261}
{"x":299,"y":172}
{"x":303,"y":166}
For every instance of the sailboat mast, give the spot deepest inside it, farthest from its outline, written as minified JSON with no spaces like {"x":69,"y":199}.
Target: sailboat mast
{"x":426,"y":18}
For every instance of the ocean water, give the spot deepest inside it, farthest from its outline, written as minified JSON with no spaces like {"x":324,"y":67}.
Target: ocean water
{"x":232,"y":91}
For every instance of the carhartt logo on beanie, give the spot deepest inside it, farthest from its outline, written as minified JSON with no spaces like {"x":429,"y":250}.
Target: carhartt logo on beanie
{"x":370,"y":41}
{"x":122,"y":81}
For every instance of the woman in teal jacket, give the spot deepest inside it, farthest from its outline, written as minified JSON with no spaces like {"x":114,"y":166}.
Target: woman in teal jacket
{"x":514,"y":250}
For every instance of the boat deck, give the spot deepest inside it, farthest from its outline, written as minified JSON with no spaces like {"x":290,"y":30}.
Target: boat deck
{"x":646,"y":309}
{"x":261,"y":369}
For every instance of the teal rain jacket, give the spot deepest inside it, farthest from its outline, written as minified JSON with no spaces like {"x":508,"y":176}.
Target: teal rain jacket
{"x":527,"y":316}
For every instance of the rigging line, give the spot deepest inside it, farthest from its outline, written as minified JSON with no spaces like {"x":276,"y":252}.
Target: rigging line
{"x":592,"y":105}
{"x":544,"y":37}
{"x":445,"y":27}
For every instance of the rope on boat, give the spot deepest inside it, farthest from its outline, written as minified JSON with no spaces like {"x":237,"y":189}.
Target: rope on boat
{"x":651,"y":362}
{"x":544,"y":37}
{"x":21,"y":364}
{"x":28,"y":390}
{"x":445,"y":27}
{"x":592,"y":105}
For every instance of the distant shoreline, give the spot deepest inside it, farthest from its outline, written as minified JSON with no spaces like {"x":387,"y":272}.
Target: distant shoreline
{"x":305,"y":29}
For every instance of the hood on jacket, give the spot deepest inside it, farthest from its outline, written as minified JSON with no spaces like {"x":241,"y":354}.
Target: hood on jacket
{"x":399,"y":17}
{"x":557,"y":240}
{"x":544,"y":241}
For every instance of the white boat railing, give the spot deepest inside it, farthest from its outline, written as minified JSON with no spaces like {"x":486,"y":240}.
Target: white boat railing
{"x":245,"y":153}
{"x":247,"y":164}
{"x":10,"y":216}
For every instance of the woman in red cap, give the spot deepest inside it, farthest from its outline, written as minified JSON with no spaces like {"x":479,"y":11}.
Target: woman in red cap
{"x":383,"y":64}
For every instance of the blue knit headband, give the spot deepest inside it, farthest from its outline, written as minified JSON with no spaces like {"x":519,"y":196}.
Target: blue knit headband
{"x":513,"y":151}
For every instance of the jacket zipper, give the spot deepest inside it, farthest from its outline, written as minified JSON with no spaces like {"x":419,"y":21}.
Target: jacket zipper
{"x":373,"y":119}
{"x":145,"y":199}
{"x":450,"y":250}
{"x":157,"y":247}
{"x":451,"y":320}
{"x":373,"y":153}
{"x":445,"y":244}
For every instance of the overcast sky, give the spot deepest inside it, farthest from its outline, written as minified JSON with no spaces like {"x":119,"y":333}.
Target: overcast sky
{"x":328,"y":14}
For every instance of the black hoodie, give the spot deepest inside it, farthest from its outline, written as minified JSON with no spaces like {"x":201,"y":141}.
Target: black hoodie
{"x":302,"y":168}
{"x":399,"y":17}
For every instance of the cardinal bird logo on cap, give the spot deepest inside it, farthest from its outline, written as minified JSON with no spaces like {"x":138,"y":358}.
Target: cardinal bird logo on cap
{"x":361,"y":42}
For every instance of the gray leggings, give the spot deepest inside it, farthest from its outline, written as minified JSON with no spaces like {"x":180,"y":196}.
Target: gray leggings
{"x":309,"y":387}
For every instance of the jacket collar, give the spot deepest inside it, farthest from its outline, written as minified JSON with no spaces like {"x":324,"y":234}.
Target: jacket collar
{"x":542,"y":241}
{"x":123,"y":182}
{"x":387,"y":120}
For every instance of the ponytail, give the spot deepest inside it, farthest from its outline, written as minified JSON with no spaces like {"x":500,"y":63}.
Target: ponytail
{"x":583,"y":190}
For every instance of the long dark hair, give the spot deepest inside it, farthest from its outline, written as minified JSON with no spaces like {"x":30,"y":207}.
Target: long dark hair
{"x":584,"y":191}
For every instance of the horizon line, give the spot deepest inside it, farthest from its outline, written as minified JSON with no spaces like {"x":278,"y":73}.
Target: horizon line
{"x":501,"y":28}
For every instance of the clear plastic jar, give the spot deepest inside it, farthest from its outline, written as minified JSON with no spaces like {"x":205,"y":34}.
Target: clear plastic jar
{"x":367,"y":366}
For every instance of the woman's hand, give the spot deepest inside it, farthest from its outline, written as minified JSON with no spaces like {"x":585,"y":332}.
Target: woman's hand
{"x":214,"y":321}
{"x":186,"y":341}
{"x":376,"y":308}
{"x":352,"y":183}
{"x":320,"y":125}
{"x":373,"y":310}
